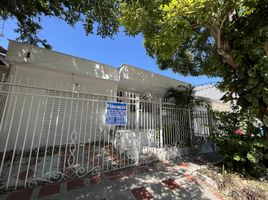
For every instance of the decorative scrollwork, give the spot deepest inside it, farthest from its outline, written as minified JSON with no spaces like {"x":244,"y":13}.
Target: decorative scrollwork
{"x":81,"y":172}
{"x":148,"y":96}
{"x":177,"y":141}
{"x":181,"y":144}
{"x":199,"y":139}
{"x":71,"y":171}
{"x":35,"y":182}
{"x":72,"y":149}
{"x":57,"y":176}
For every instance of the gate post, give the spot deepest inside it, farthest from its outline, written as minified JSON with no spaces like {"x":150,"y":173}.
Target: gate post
{"x":161,"y":123}
{"x":191,"y":126}
{"x":138,"y":145}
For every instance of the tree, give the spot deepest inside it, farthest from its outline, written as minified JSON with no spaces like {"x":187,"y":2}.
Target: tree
{"x":29,"y":13}
{"x":184,"y":96}
{"x":225,"y":38}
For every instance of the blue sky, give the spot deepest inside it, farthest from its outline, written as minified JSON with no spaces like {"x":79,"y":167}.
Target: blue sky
{"x":120,"y":50}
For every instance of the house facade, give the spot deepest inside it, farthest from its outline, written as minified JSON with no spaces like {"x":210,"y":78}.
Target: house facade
{"x":53,"y":76}
{"x":64,"y":117}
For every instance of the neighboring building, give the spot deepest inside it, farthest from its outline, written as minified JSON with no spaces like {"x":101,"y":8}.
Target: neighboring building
{"x":213,"y":94}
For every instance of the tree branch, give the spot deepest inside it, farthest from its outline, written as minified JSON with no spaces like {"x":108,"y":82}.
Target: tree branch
{"x":223,"y":47}
{"x":227,"y":58}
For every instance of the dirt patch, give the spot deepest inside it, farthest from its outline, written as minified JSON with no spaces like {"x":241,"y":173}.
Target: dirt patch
{"x":237,"y":187}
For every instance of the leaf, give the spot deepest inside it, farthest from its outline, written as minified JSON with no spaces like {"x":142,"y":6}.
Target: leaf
{"x":265,"y":120}
{"x":253,"y":81}
{"x":252,"y":158}
{"x":265,"y":156}
{"x":258,"y":144}
{"x":237,"y":157}
{"x":181,"y":35}
{"x":265,"y":96}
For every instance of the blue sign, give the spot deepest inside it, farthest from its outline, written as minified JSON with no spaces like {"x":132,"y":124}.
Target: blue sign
{"x":116,"y":113}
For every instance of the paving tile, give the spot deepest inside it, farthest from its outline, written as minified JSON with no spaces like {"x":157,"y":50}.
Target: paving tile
{"x":3,"y":196}
{"x":171,"y":184}
{"x":20,"y":195}
{"x":35,"y":192}
{"x":183,"y":164}
{"x":190,"y":177}
{"x":218,"y":195}
{"x":166,"y":165}
{"x":113,"y":175}
{"x":151,"y":166}
{"x":98,"y":198}
{"x":63,"y":186}
{"x":96,"y":179}
{"x":159,"y":167}
{"x":141,"y":194}
{"x":74,"y":184}
{"x":143,"y":170}
{"x":49,"y":190}
{"x":129,"y":172}
{"x":155,"y":185}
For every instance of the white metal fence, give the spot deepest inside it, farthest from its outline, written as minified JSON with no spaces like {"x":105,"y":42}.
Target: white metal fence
{"x":49,"y":134}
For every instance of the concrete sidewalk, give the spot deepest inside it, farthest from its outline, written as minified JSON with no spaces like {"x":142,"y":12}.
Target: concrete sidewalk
{"x":160,"y":180}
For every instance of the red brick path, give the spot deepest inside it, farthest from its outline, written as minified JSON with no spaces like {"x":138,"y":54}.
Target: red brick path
{"x":20,"y":195}
{"x":49,"y":190}
{"x":74,"y":184}
{"x":171,"y":184}
{"x":141,"y":194}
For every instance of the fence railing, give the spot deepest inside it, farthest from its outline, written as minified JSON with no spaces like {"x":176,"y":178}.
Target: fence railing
{"x":50,"y":134}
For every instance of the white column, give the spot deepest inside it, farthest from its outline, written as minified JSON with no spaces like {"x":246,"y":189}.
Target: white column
{"x":137,"y":130}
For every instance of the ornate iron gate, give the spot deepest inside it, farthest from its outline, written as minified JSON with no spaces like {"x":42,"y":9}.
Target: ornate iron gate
{"x":49,"y":134}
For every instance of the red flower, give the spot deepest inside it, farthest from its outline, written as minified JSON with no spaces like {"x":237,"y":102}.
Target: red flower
{"x":239,"y":132}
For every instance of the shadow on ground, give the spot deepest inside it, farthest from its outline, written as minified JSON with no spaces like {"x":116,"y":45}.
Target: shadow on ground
{"x":148,"y":183}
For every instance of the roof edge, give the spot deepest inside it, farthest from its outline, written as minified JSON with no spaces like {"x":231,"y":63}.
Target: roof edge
{"x":122,"y":66}
{"x":64,"y":54}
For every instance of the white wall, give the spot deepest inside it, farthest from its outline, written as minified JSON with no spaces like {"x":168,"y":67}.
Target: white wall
{"x":55,"y":61}
{"x":133,"y":73}
{"x":48,"y":113}
{"x":214,"y":94}
{"x":141,"y":81}
{"x":31,"y":111}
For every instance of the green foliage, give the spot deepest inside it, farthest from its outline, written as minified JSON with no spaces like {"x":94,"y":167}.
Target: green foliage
{"x":184,"y":97}
{"x":228,"y":39}
{"x":244,"y":150}
{"x":28,"y":15}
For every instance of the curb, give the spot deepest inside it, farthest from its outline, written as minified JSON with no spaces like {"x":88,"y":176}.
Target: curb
{"x":209,"y":181}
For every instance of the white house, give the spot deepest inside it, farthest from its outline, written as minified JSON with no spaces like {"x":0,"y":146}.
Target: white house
{"x":38,"y":113}
{"x":54,"y":109}
{"x":33,"y":62}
